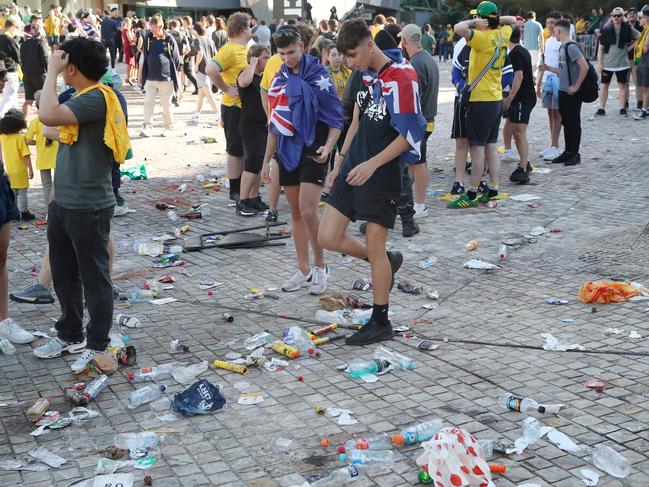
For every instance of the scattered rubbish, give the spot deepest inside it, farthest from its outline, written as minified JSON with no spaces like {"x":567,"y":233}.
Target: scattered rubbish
{"x":331,"y":316}
{"x":634,"y":334}
{"x":324,"y":443}
{"x":341,"y":476}
{"x":362,"y":284}
{"x":175,"y":346}
{"x":325,"y":329}
{"x":134,"y":441}
{"x":520,"y":404}
{"x":108,"y":466}
{"x":283,"y":443}
{"x":502,"y":252}
{"x":552,"y":343}
{"x":607,"y":459}
{"x":589,"y":477}
{"x":97,"y":385}
{"x":409,"y":288}
{"x":480,"y":264}
{"x":286,"y":350}
{"x":144,"y":395}
{"x":558,"y":301}
{"x":427,"y":345}
{"x":127,"y":321}
{"x":47,"y":457}
{"x":134,"y":173}
{"x":172,"y":215}
{"x":562,"y":441}
{"x":472,"y":245}
{"x":568,"y":320}
{"x":146,"y":374}
{"x":161,"y":301}
{"x":362,"y":316}
{"x":345,"y":419}
{"x":378,"y":442}
{"x":258,"y":340}
{"x":7,"y":347}
{"x":524,"y":198}
{"x":493,"y":446}
{"x":346,"y":260}
{"x":186,"y":374}
{"x":533,"y":431}
{"x":333,"y":302}
{"x":537,"y":231}
{"x":604,"y":292}
{"x":598,"y":385}
{"x":228,"y":318}
{"x":299,"y":339}
{"x":426,"y":263}
{"x":232,"y":367}
{"x":116,"y":479}
{"x":418,"y":433}
{"x":395,"y":359}
{"x":432,"y":294}
{"x":201,"y":397}
{"x":359,"y":368}
{"x":147,"y":480}
{"x":38,"y":409}
{"x":151,"y":249}
{"x":413,"y":247}
{"x":383,"y":457}
{"x":113,"y":452}
{"x":555,"y":230}
{"x":534,"y":205}
{"x":249,"y":398}
{"x":613,"y":331}
{"x":209,"y":284}
{"x":456,"y":458}
{"x":241,"y":386}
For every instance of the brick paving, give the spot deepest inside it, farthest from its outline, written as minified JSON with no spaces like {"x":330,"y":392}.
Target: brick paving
{"x":488,"y":325}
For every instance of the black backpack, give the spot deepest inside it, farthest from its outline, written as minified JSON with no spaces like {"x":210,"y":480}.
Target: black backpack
{"x":589,"y":89}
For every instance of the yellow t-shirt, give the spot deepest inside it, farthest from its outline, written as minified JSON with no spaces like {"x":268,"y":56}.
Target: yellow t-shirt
{"x":231,"y":60}
{"x":45,"y":154}
{"x":272,"y":67}
{"x":546,"y":34}
{"x":339,"y":78}
{"x":14,"y":150}
{"x":2,"y":22}
{"x":52,"y":26}
{"x":483,"y":44}
{"x":376,"y":29}
{"x":580,"y":27}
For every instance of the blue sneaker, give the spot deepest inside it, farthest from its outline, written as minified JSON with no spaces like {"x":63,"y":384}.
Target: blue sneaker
{"x":55,"y":347}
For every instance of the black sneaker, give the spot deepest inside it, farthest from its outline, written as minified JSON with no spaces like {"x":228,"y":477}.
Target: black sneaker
{"x":458,"y":188}
{"x":234,"y":196}
{"x":410,"y":228}
{"x":483,"y":187}
{"x":245,"y":208}
{"x":396,"y":259}
{"x":372,"y":332}
{"x":174,"y":100}
{"x":623,"y":112}
{"x":600,"y":112}
{"x":520,"y":176}
{"x":272,"y":216}
{"x":643,"y":115}
{"x":573,"y":160}
{"x":639,"y":105}
{"x":26,"y":216}
{"x":362,"y":227}
{"x":258,"y":204}
{"x":563,"y":157}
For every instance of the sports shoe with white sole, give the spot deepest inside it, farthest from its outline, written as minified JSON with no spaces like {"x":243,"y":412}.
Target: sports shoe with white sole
{"x":318,"y":283}
{"x":551,"y":153}
{"x":167,"y":133}
{"x":10,"y":330}
{"x":82,"y":362}
{"x":421,"y":210}
{"x":34,"y":294}
{"x":146,"y":131}
{"x":510,"y":156}
{"x":55,"y":347}
{"x":296,"y":282}
{"x":120,"y":210}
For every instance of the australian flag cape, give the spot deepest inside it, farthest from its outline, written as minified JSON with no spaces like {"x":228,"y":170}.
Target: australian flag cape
{"x":297,"y":103}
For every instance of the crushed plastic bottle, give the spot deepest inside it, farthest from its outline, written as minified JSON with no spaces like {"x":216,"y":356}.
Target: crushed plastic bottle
{"x":361,"y":316}
{"x":147,"y":374}
{"x":342,"y":476}
{"x":258,"y":340}
{"x":97,"y":385}
{"x":172,"y":215}
{"x":182,"y":188}
{"x":384,"y":457}
{"x":378,"y":442}
{"x":118,"y":340}
{"x":502,"y":253}
{"x":418,"y":433}
{"x":331,"y":316}
{"x":6,"y":347}
{"x":493,"y":446}
{"x":426,"y":263}
{"x":520,"y":404}
{"x":298,"y":338}
{"x":406,"y":287}
{"x":186,"y":374}
{"x":38,"y":409}
{"x":472,"y":245}
{"x":395,"y":359}
{"x":607,"y":459}
{"x":359,"y":368}
{"x":140,"y":441}
{"x":144,"y":395}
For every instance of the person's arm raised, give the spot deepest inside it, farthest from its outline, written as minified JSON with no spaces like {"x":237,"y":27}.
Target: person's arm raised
{"x":50,"y":112}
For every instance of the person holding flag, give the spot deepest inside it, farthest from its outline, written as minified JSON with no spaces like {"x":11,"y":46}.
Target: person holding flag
{"x":305,"y":123}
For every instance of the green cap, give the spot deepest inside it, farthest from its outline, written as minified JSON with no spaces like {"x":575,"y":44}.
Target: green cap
{"x":485,"y":9}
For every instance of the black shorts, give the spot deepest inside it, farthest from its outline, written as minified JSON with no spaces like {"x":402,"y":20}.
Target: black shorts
{"x":422,"y":160}
{"x":364,"y":203}
{"x":32,"y":84}
{"x":231,"y":117}
{"x":8,"y":208}
{"x":643,"y":76}
{"x":483,"y":122}
{"x":621,"y":76}
{"x":520,"y":111}
{"x":308,"y":171}
{"x":253,"y":137}
{"x":458,"y":131}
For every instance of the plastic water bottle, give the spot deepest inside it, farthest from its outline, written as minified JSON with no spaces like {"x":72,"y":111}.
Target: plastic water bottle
{"x":144,"y":395}
{"x":341,"y":476}
{"x":502,"y":253}
{"x":182,"y":188}
{"x":331,"y":316}
{"x":418,"y":433}
{"x":151,"y":373}
{"x":489,"y":447}
{"x":7,"y":347}
{"x":385,"y":457}
{"x":258,"y":340}
{"x":359,"y":368}
{"x":378,"y":442}
{"x":520,"y":404}
{"x":607,"y":459}
{"x":298,"y":338}
{"x":140,"y":441}
{"x":186,"y":374}
{"x":97,"y":385}
{"x":396,"y":359}
{"x":172,"y":215}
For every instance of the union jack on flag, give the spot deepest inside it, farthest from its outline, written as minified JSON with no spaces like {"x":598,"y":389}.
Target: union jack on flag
{"x":280,"y":114}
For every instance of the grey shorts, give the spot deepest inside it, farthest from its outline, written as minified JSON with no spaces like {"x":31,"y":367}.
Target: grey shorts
{"x":202,"y":80}
{"x":550,"y":101}
{"x":642,"y":73}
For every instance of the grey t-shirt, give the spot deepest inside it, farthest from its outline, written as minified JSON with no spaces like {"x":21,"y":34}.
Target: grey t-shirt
{"x":616,"y":59}
{"x":428,"y":74}
{"x":82,"y":179}
{"x":574,"y":53}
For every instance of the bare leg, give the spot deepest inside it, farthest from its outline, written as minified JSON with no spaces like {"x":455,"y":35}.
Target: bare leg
{"x":493,"y":162}
{"x":249,"y":185}
{"x":520,"y":135}
{"x":603,"y":95}
{"x":645,"y":98}
{"x":507,"y":134}
{"x":309,"y":198}
{"x":5,"y":235}
{"x":235,"y":166}
{"x":199,"y":102}
{"x":300,"y":238}
{"x":274,"y":188}
{"x":332,"y":234}
{"x":477,"y":165}
{"x":461,"y":154}
{"x":376,"y":236}
{"x":624,"y":93}
{"x":419,"y":174}
{"x":555,"y":126}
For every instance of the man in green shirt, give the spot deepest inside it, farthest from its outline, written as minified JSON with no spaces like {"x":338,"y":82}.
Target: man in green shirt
{"x":427,"y":39}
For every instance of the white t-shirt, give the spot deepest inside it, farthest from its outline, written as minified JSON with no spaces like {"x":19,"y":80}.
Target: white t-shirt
{"x":551,"y":55}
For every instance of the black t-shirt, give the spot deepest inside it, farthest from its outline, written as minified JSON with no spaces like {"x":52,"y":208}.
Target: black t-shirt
{"x":252,"y":111}
{"x":375,"y":133}
{"x":354,"y":84}
{"x":522,"y":61}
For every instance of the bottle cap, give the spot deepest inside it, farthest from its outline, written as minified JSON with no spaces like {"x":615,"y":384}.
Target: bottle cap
{"x":341,"y":449}
{"x":541,"y":409}
{"x":130,"y":377}
{"x":163,"y":387}
{"x":398,"y":440}
{"x":342,"y":457}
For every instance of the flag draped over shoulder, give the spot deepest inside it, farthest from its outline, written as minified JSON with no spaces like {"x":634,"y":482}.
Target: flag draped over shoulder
{"x":297,"y":103}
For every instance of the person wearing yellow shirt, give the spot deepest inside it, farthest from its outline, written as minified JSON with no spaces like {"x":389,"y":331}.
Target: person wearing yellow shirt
{"x":378,"y":24}
{"x":224,"y":70}
{"x":487,"y":34}
{"x":17,"y":158}
{"x":52,"y":26}
{"x":581,"y":27}
{"x":46,"y":150}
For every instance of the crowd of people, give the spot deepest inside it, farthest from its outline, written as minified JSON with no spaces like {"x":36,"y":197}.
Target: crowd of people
{"x":340,"y":113}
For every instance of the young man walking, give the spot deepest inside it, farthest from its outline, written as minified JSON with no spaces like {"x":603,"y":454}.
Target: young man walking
{"x":572,"y":72}
{"x":92,"y":133}
{"x":304,"y":136}
{"x":488,"y":36}
{"x":533,"y":38}
{"x":366,"y":180}
{"x":519,"y":104}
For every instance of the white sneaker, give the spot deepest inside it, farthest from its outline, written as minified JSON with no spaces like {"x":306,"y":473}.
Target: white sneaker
{"x":318,"y":280}
{"x":120,"y":210}
{"x":297,"y":282}
{"x":146,"y":131}
{"x":543,"y":151}
{"x":167,"y":133}
{"x":510,"y":156}
{"x":10,"y":330}
{"x":55,"y":347}
{"x":82,"y":362}
{"x":551,"y":153}
{"x":421,"y":210}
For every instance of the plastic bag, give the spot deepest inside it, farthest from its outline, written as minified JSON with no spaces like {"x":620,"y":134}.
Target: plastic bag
{"x":605,"y":292}
{"x":134,"y":173}
{"x":199,"y":398}
{"x":457,"y":458}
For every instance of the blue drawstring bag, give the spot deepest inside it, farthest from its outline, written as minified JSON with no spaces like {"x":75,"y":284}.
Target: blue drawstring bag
{"x":199,"y":398}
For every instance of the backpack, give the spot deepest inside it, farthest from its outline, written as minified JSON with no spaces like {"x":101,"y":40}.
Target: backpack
{"x":589,"y":89}
{"x":193,"y":44}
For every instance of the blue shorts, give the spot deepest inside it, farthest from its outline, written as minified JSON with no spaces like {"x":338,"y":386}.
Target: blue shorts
{"x":8,"y":208}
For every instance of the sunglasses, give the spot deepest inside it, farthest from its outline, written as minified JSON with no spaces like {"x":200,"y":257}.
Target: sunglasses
{"x":287,"y":33}
{"x":617,"y":16}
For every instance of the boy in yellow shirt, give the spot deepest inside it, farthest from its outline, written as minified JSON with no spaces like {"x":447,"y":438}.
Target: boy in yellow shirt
{"x":17,"y":158}
{"x":46,"y":150}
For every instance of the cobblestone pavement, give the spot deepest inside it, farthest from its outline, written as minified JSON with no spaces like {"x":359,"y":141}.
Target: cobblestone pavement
{"x":488,"y":325}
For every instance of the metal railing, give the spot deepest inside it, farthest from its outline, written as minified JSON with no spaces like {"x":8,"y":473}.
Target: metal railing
{"x":588,"y":44}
